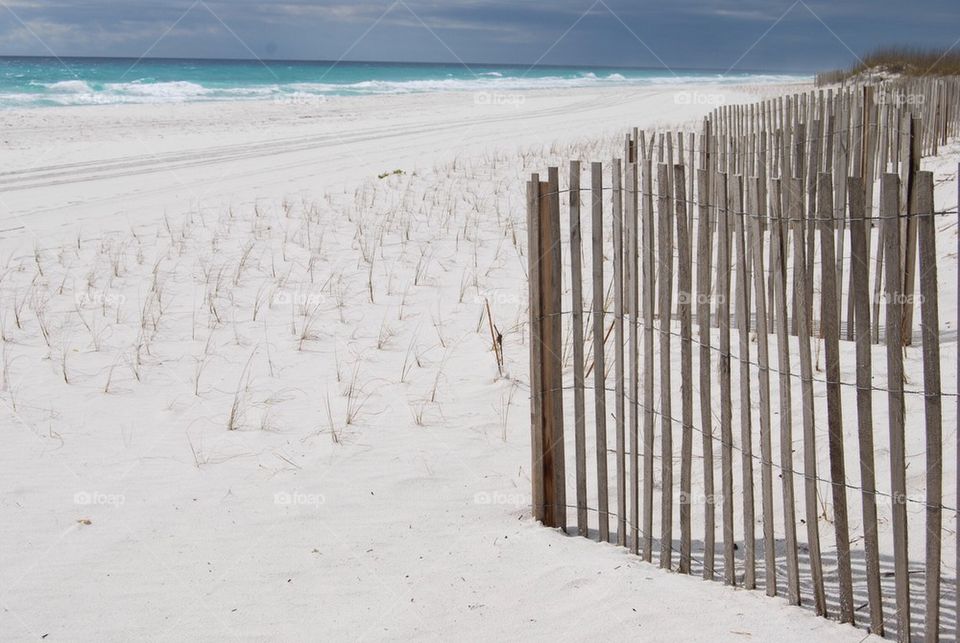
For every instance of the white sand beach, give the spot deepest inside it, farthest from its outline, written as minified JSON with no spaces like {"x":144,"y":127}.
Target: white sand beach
{"x":75,"y":164}
{"x":248,"y":390}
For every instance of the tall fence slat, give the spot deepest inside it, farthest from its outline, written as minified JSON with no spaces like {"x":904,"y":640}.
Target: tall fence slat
{"x":536,"y":383}
{"x":634,"y":305}
{"x":576,"y":285}
{"x":860,"y":281}
{"x":889,"y":211}
{"x":778,"y":270}
{"x":634,"y":309}
{"x":704,"y":257}
{"x":665,"y":306}
{"x":806,"y":393}
{"x":599,"y":370}
{"x":649,"y":251}
{"x":685,"y":289}
{"x":726,"y":410}
{"x":619,"y":402}
{"x":743,"y":358}
{"x":763,"y":392}
{"x":933,"y":409}
{"x":830,"y":326}
{"x":551,"y":264}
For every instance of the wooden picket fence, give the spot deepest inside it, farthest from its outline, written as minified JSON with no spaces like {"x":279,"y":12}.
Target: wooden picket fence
{"x":812,"y":212}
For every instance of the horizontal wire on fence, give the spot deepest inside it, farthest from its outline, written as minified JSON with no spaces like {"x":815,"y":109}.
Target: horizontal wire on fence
{"x":733,"y":151}
{"x":769,"y":369}
{"x":813,"y":220}
{"x":790,"y":143}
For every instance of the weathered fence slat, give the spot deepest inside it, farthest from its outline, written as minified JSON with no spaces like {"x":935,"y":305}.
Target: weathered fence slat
{"x":599,"y":371}
{"x":665,"y":306}
{"x":778,"y":270}
{"x":889,"y":211}
{"x":910,"y":242}
{"x":536,"y":384}
{"x":860,"y":281}
{"x":552,"y":289}
{"x":726,"y":411}
{"x":576,"y":285}
{"x":649,"y":251}
{"x":933,"y":410}
{"x":618,"y":280}
{"x":795,"y":191}
{"x":743,"y":359}
{"x":763,"y":391}
{"x":685,"y":290}
{"x":830,"y":329}
{"x":634,"y":309}
{"x":813,"y":165}
{"x":704,"y":257}
{"x":806,"y":395}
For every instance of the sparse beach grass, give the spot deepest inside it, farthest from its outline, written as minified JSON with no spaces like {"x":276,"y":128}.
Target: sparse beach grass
{"x":898,"y":61}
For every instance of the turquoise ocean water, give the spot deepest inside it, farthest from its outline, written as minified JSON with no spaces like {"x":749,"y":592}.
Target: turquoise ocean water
{"x":38,"y":82}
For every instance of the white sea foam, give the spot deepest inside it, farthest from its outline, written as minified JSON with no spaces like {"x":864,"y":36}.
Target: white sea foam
{"x":69,"y":86}
{"x":176,"y":90}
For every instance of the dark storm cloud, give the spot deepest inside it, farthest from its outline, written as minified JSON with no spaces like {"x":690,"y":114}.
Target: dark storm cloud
{"x":747,"y":34}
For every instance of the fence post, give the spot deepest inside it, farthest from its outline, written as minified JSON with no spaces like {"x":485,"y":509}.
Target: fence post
{"x":536,"y":363}
{"x":551,"y":353}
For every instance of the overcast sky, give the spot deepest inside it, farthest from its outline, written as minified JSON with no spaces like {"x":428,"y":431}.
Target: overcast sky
{"x":716,"y":34}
